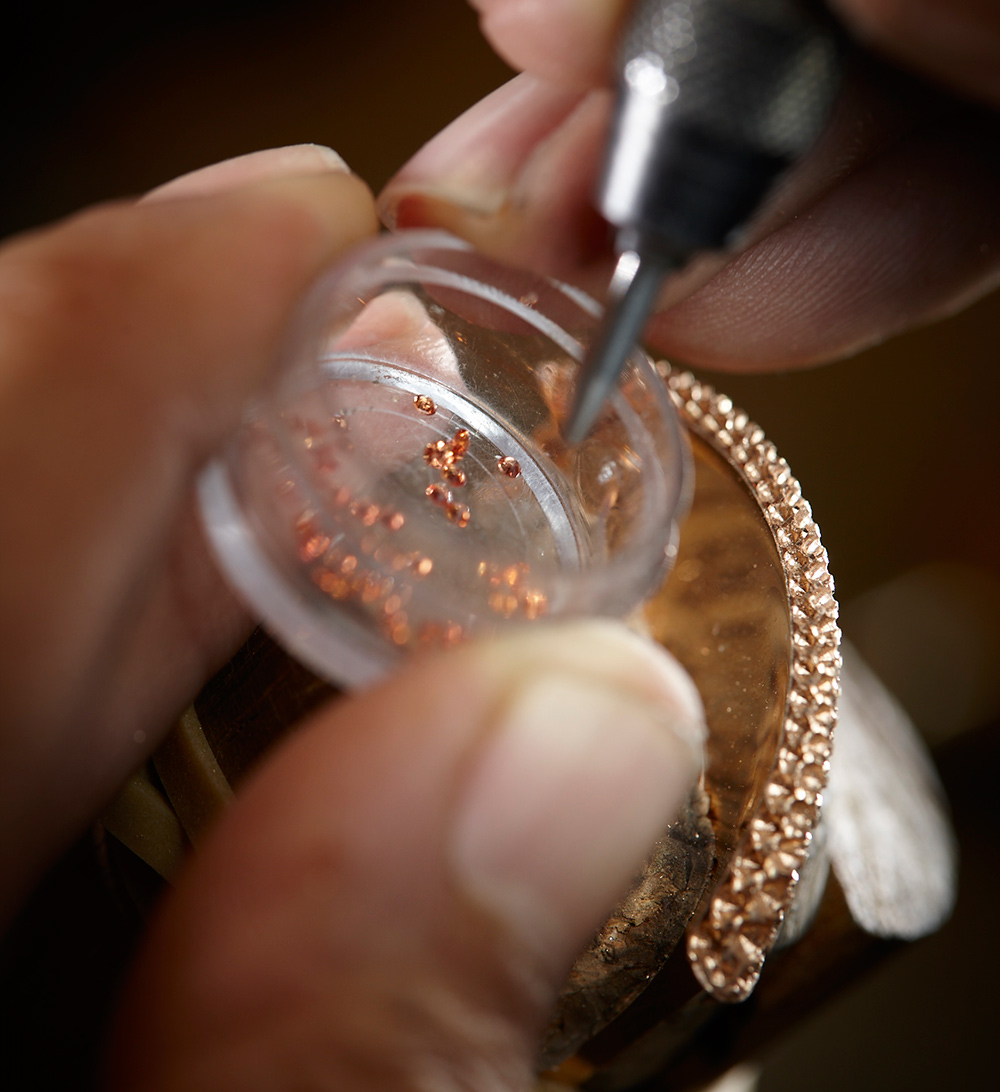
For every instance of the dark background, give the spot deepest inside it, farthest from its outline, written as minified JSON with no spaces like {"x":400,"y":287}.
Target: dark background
{"x":896,"y":448}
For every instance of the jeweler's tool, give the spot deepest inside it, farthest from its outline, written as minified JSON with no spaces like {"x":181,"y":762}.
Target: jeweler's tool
{"x":717,"y":98}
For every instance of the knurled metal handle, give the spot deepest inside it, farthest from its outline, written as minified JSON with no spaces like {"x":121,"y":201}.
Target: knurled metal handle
{"x":756,"y":73}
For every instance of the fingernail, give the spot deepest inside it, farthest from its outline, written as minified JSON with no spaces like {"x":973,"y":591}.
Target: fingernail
{"x":246,"y":170}
{"x":594,"y":748}
{"x":474,"y":162}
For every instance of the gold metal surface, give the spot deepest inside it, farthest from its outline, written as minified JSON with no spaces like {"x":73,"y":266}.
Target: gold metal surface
{"x":723,"y":612}
{"x":728,"y":944}
{"x":748,"y":610}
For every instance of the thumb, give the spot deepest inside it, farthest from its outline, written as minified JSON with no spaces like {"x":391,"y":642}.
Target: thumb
{"x":398,"y":894}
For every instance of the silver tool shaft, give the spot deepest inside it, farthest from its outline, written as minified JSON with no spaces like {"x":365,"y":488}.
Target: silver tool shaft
{"x":717,"y":98}
{"x":631,"y":296}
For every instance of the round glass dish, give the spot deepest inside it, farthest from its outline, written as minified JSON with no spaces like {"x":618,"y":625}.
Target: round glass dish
{"x":405,"y":482}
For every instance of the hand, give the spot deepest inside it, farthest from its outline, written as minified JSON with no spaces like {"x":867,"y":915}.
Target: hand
{"x":396,"y":896}
{"x":891,"y":221}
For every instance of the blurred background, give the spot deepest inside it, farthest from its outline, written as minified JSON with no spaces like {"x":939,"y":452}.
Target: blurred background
{"x":896,"y":448}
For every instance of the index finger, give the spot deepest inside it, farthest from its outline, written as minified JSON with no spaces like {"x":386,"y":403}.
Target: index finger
{"x":569,"y":42}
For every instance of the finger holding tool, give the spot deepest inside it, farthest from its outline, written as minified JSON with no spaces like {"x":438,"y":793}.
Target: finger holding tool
{"x":717,"y":99}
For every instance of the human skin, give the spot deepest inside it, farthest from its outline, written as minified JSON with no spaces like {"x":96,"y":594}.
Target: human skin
{"x":395,"y":897}
{"x":373,"y":913}
{"x":891,"y":221}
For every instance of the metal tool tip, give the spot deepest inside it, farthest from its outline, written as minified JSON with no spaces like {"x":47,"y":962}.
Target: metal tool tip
{"x":631,"y":295}
{"x":586,"y":406}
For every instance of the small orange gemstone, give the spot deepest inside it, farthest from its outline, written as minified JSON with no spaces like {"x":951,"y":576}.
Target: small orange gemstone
{"x":314,"y":546}
{"x":503,"y":604}
{"x":460,"y":443}
{"x":438,"y":494}
{"x":371,"y":588}
{"x":443,"y":634}
{"x":509,"y":466}
{"x":393,"y":520}
{"x":535,"y":604}
{"x":437,"y":454}
{"x":364,"y":511}
{"x":349,"y":564}
{"x":424,"y":404}
{"x":336,"y":586}
{"x":423,"y":567}
{"x":453,"y":475}
{"x":459,"y":514}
